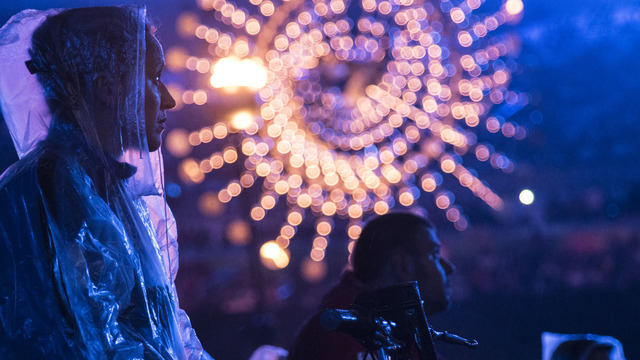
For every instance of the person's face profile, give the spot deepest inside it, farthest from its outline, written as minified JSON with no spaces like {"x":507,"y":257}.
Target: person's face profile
{"x":432,"y":272}
{"x":157,"y":97}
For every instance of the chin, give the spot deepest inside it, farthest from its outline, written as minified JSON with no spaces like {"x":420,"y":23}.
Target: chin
{"x":153,"y":145}
{"x":154,"y":140}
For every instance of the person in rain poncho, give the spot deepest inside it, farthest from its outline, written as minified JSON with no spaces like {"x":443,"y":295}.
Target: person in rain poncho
{"x":85,"y":272}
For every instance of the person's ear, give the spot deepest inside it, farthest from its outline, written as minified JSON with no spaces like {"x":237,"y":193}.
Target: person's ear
{"x":105,"y":92}
{"x":403,"y":266}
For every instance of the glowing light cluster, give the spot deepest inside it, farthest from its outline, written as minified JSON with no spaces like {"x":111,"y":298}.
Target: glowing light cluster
{"x":273,"y":256}
{"x":233,"y":72}
{"x":357,"y":115}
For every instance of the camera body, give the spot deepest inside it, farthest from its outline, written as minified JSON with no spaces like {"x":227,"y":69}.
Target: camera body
{"x":390,"y":321}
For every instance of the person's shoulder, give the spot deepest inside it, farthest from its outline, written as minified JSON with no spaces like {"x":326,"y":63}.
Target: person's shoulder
{"x":18,"y":192}
{"x":59,"y":166}
{"x":39,"y":170}
{"x":314,"y":342}
{"x":310,"y":341}
{"x":50,"y":160}
{"x":18,"y":173}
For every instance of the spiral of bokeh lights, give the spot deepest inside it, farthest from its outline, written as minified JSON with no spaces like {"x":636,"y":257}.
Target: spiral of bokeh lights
{"x":360,"y":106}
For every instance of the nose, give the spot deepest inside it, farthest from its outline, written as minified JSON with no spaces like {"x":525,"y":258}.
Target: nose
{"x":166,"y":100}
{"x":448,"y":266}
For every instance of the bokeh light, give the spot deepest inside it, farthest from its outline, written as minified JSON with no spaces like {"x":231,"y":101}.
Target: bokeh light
{"x":526,"y":197}
{"x":239,"y":232}
{"x":358,"y":115}
{"x":241,"y":120}
{"x":234,"y":72}
{"x":273,"y":256}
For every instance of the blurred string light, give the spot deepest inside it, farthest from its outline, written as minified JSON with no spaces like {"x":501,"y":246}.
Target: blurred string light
{"x":362,"y":106}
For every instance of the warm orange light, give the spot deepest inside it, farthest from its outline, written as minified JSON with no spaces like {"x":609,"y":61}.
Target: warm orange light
{"x":247,"y":180}
{"x":269,"y":250}
{"x":281,"y":187}
{"x":187,"y":23}
{"x":234,"y":189}
{"x":320,"y":242}
{"x":189,"y":172}
{"x":464,"y":38}
{"x":294,"y":218}
{"x":324,"y":227}
{"x":443,"y":201}
{"x":216,"y":161}
{"x":313,"y":270}
{"x":347,"y":151}
{"x":252,"y":26}
{"x":224,"y":196}
{"x":177,"y":143}
{"x":257,"y":213}
{"x":273,"y":257}
{"x":448,"y":165}
{"x":304,"y":200}
{"x":329,"y":208}
{"x":287,"y":231}
{"x":406,"y":198}
{"x":453,"y":214}
{"x":316,"y":254}
{"x":241,"y":120}
{"x":209,"y":204}
{"x":268,"y":202}
{"x":354,"y":231}
{"x":239,"y":232}
{"x":381,"y":207}
{"x":233,"y":72}
{"x":230,"y":155}
{"x":355,"y":211}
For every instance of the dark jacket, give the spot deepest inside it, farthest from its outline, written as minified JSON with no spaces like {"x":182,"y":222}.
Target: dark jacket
{"x":313,"y":342}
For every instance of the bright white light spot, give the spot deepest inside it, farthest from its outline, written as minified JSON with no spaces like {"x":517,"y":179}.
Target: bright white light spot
{"x":233,"y":72}
{"x":526,"y":197}
{"x":282,"y":260}
{"x":242,"y":120}
{"x":273,"y":257}
{"x":514,"y":7}
{"x":270,"y":250}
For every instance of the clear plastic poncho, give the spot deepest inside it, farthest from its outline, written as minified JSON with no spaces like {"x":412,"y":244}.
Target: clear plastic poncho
{"x":87,"y":244}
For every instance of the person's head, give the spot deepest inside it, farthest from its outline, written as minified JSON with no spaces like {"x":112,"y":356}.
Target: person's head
{"x":401,"y":247}
{"x":90,"y":62}
{"x":157,"y":98}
